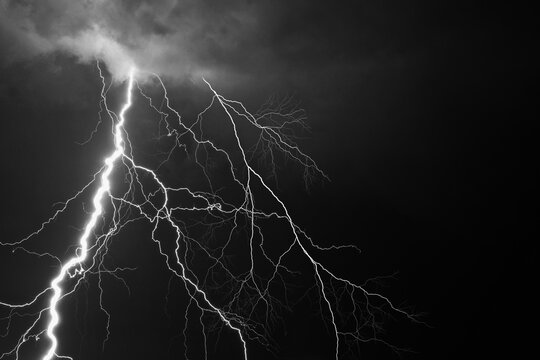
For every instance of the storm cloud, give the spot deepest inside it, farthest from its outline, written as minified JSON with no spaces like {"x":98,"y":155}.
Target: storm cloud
{"x":170,"y":37}
{"x":233,"y":42}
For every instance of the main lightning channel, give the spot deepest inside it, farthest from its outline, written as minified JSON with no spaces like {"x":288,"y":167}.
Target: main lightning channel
{"x":82,"y":251}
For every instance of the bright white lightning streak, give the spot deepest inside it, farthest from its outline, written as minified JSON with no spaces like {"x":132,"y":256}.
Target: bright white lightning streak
{"x":98,"y":209}
{"x":103,"y":189}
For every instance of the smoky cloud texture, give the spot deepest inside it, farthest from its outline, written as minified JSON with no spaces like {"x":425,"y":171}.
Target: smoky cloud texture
{"x":175,"y":38}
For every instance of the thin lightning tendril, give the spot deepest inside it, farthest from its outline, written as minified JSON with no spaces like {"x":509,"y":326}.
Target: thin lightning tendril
{"x":247,"y":306}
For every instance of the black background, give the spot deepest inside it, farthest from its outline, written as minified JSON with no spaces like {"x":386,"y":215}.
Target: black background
{"x":420,"y":115}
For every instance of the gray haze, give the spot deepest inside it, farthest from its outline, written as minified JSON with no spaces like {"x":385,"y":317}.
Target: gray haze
{"x":169,"y":37}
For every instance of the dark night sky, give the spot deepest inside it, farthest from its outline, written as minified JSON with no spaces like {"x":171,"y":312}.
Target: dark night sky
{"x":418,"y":112}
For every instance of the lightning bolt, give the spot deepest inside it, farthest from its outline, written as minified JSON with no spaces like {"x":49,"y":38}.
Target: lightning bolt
{"x":103,"y":189}
{"x":248,"y":308}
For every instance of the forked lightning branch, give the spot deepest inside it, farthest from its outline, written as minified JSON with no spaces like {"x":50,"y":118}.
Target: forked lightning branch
{"x":244,"y":303}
